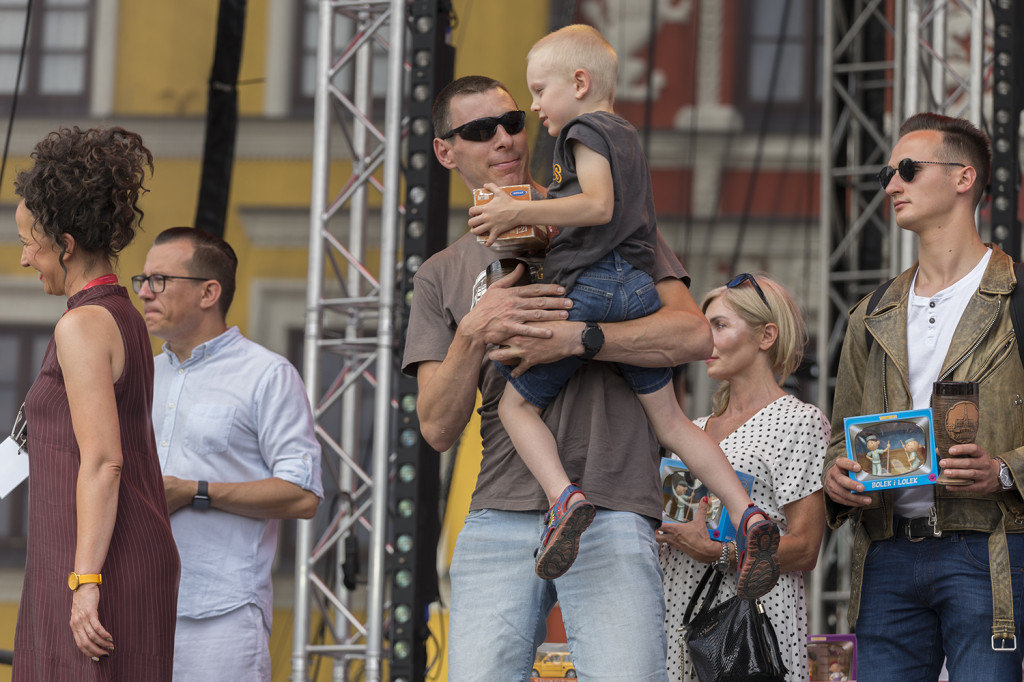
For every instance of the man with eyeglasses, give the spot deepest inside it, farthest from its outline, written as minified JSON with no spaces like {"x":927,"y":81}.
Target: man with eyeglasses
{"x":235,"y":437}
{"x":938,"y":571}
{"x":611,"y":600}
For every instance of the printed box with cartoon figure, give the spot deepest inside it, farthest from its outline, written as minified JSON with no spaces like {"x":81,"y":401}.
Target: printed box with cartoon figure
{"x":832,"y":658}
{"x":519,"y":240}
{"x":681,"y":493}
{"x":894,"y":450}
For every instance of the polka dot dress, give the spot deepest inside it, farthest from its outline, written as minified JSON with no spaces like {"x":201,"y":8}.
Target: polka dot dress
{"x":783,"y":448}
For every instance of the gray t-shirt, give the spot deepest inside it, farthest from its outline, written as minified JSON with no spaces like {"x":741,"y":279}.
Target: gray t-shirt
{"x":604,"y":439}
{"x":632,"y":230}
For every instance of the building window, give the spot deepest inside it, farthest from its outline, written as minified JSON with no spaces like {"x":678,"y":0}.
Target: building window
{"x":21,"y":355}
{"x":305,"y":82}
{"x":58,"y":58}
{"x":779,"y":66}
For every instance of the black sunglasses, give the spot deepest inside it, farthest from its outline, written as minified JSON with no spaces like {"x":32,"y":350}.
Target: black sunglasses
{"x":483,"y":129}
{"x":747,"y":277}
{"x":908,"y":169}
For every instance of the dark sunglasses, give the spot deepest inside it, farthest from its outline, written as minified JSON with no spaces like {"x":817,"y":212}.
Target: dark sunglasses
{"x":483,"y":129}
{"x":747,"y":277}
{"x":907,"y":170}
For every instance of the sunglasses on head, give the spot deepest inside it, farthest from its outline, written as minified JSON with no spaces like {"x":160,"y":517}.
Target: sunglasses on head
{"x":483,"y":129}
{"x":747,"y":277}
{"x":907,"y":169}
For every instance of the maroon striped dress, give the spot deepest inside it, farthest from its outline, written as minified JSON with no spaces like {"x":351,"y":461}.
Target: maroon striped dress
{"x":138,"y":598}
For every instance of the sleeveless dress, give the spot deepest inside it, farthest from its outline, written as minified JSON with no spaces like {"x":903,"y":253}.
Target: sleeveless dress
{"x":138,"y":598}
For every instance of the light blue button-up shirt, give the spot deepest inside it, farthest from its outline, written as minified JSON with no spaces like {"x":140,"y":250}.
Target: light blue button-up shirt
{"x":233,"y":412}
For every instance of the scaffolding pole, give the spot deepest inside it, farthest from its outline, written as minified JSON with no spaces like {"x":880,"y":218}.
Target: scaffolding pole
{"x":349,"y":334}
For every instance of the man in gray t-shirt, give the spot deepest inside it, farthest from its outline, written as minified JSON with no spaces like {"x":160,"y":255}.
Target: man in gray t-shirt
{"x":611,"y":600}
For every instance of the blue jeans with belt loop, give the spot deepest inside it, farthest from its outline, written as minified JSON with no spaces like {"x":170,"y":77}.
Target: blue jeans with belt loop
{"x":926,"y":599}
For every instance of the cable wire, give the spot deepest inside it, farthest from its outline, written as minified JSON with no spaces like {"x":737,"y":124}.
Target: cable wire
{"x":761,"y":135}
{"x":17,"y":87}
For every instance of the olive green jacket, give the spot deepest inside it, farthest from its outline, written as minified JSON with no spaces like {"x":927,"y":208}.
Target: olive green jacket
{"x":875,"y":380}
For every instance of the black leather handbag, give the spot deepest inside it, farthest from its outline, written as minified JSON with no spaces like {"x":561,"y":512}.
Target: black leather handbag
{"x":731,"y":642}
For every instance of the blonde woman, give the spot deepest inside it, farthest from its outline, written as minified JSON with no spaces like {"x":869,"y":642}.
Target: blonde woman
{"x":759,"y":337}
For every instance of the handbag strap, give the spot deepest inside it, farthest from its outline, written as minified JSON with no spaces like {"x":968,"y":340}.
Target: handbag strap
{"x":705,"y":604}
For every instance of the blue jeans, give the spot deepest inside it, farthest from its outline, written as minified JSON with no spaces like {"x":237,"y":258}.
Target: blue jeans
{"x":924,"y":600}
{"x":611,"y":599}
{"x":610,"y":290}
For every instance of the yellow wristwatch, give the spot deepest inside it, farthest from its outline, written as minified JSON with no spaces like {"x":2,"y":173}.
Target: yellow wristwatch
{"x":74,"y":579}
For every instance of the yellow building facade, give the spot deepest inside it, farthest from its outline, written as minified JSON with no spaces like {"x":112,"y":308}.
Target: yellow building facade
{"x":147,"y":67}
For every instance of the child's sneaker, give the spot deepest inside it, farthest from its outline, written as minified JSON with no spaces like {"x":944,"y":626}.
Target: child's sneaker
{"x":561,"y":538}
{"x":758,"y":555}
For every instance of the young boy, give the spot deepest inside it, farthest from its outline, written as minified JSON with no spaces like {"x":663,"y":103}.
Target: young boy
{"x":601,"y":200}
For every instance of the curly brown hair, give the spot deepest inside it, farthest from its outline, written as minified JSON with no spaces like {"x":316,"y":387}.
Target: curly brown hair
{"x":87,"y":184}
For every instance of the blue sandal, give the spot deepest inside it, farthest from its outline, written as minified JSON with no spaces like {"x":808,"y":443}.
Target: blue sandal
{"x":758,"y":555}
{"x":560,"y":541}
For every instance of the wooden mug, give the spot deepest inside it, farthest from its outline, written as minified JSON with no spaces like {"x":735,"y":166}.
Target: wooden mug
{"x":955,"y":417}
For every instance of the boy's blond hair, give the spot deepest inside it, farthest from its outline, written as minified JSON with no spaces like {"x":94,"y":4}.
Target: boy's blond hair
{"x":579,"y":46}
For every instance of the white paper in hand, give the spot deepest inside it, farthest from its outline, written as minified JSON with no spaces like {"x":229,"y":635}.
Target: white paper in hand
{"x":13,"y":466}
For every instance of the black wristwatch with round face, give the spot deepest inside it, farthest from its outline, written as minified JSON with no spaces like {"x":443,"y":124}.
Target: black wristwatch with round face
{"x":592,"y":338}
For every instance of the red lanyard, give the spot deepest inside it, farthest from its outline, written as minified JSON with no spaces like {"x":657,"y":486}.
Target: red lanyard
{"x":102,"y":279}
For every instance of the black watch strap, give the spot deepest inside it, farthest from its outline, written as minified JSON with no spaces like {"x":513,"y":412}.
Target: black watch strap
{"x":201,"y":500}
{"x":593,"y":339}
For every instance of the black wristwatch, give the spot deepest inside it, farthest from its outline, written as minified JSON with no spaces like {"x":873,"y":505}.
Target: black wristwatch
{"x":592,"y":338}
{"x":201,"y":500}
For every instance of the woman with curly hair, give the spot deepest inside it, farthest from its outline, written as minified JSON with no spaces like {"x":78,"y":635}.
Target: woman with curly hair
{"x":100,"y":550}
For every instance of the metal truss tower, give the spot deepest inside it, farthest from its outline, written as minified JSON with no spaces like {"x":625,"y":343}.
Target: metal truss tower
{"x":350,"y":346}
{"x":351,"y":350}
{"x":883,"y":61}
{"x":348,"y":315}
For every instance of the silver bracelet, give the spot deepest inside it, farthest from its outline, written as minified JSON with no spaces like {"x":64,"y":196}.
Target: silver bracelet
{"x":722,"y":565}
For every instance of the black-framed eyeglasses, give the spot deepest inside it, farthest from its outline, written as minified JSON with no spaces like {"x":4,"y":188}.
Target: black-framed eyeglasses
{"x":157,"y":282}
{"x":747,"y":277}
{"x":907,"y":169}
{"x":483,"y":129}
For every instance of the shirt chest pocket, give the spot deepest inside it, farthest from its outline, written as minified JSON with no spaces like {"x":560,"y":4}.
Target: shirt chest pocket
{"x":208,"y":429}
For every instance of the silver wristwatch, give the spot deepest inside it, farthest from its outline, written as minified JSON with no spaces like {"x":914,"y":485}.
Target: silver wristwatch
{"x":1005,"y":476}
{"x":722,"y":564}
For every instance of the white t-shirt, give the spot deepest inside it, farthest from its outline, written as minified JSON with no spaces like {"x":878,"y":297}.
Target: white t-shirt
{"x":930,"y":326}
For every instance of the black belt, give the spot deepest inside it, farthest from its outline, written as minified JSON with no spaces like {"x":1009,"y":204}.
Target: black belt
{"x":917,"y":528}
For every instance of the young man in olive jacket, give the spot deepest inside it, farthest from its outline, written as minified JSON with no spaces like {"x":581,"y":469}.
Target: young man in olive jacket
{"x":937,"y":569}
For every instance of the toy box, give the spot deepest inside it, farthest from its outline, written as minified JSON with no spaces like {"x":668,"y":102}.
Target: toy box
{"x":518,"y":240}
{"x":682,"y":492}
{"x":894,"y":450}
{"x":832,"y":658}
